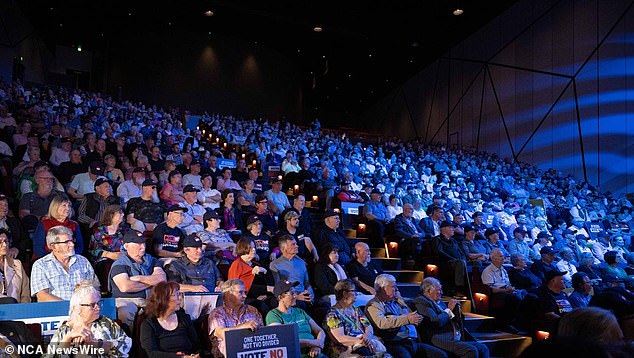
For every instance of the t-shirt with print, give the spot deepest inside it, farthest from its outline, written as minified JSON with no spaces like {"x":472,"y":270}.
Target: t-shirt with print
{"x":170,"y":238}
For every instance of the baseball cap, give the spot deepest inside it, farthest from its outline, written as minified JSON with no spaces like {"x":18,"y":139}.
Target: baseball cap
{"x":133,"y":236}
{"x":189,"y":188}
{"x":291,"y":215}
{"x":490,"y":231}
{"x":138,"y":170}
{"x":612,"y":278}
{"x":97,"y":167}
{"x":176,"y":208}
{"x":375,"y":191}
{"x":446,"y":223}
{"x":252,"y":219}
{"x":283,"y":286}
{"x":330,"y":213}
{"x":543,"y":234}
{"x":470,"y":228}
{"x":192,"y":241}
{"x":148,"y":182}
{"x":547,"y":250}
{"x":519,"y":229}
{"x":102,"y":180}
{"x":210,"y":214}
{"x":549,"y":275}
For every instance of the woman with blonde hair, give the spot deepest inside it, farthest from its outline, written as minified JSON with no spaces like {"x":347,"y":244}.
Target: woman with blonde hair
{"x":86,"y":326}
{"x":59,"y":212}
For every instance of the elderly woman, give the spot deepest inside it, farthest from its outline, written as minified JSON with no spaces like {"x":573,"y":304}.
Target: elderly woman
{"x":167,"y":328}
{"x":85,"y":325}
{"x":233,"y":314}
{"x":172,"y":192}
{"x":217,"y":241}
{"x":14,"y":287}
{"x":59,"y":213}
{"x":311,"y":336}
{"x":350,"y":332}
{"x":327,"y":273}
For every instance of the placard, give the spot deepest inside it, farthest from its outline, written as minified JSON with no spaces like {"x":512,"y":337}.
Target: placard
{"x":226,"y":163}
{"x":199,"y":303}
{"x":279,"y":341}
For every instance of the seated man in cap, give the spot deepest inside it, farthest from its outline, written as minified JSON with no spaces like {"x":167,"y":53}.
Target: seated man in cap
{"x":311,"y":336}
{"x":144,"y":213}
{"x":552,"y":300}
{"x":193,"y":177}
{"x":168,"y":236}
{"x":332,"y":234}
{"x":376,"y":213}
{"x":192,"y":271}
{"x":92,"y":206}
{"x":278,"y":201}
{"x":519,"y":245}
{"x":452,"y":256}
{"x":307,"y":249}
{"x":133,"y":188}
{"x":474,"y":248}
{"x":84,"y":183}
{"x":407,"y":230}
{"x":347,"y":196}
{"x":290,"y":267}
{"x":493,"y":242}
{"x":54,"y":276}
{"x":193,"y":216}
{"x":132,"y":275}
{"x":546,"y":264}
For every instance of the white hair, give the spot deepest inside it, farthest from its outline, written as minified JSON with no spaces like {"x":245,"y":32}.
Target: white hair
{"x":83,"y":290}
{"x":383,"y":280}
{"x":429,"y":283}
{"x":56,"y":232}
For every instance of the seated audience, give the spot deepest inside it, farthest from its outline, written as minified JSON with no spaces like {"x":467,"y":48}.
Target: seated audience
{"x":14,"y":287}
{"x":443,"y":326}
{"x":376,"y":213}
{"x":193,"y":218}
{"x":520,"y":275}
{"x":505,"y":298}
{"x":218,"y":245}
{"x":474,"y":248}
{"x":363,"y":271}
{"x":263,"y":243}
{"x":34,"y":205}
{"x":84,"y":183}
{"x":233,"y":314}
{"x":93,"y":204}
{"x":278,"y":201}
{"x":54,"y":276}
{"x":493,"y":242}
{"x":291,"y":268}
{"x":546,"y":264}
{"x":86,"y":325}
{"x":566,"y":264}
{"x":19,"y":242}
{"x":410,"y":234}
{"x":208,"y":196}
{"x":332,"y":234}
{"x":167,"y":328}
{"x":144,"y":213}
{"x":168,"y":237}
{"x":59,"y":213}
{"x":107,"y":240}
{"x":192,"y":271}
{"x":395,"y":323}
{"x":230,"y":217}
{"x":131,"y":277}
{"x":133,"y":188}
{"x":552,"y":300}
{"x":307,"y":250}
{"x":311,"y":336}
{"x":350,"y":333}
{"x":326,"y":273}
{"x":451,"y":254}
{"x":225,"y":182}
{"x":612,"y":268}
{"x":519,"y":246}
{"x":586,"y":264}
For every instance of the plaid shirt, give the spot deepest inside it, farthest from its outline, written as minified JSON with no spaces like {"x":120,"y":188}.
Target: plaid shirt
{"x":48,"y":273}
{"x":224,"y":317}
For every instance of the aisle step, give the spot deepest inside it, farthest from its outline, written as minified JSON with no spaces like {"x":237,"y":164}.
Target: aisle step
{"x":502,"y":344}
{"x":388,"y":264}
{"x":408,"y":290}
{"x":378,"y":252}
{"x":353,"y":240}
{"x":350,"y":232}
{"x":478,"y":323}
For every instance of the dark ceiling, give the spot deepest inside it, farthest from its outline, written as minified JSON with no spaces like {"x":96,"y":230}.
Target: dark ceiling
{"x":366,"y":48}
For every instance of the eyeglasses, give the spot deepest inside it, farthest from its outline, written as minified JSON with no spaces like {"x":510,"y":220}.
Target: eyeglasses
{"x":93,"y":305}
{"x":239,"y":292}
{"x":67,"y":242}
{"x":153,"y":187}
{"x":4,"y":242}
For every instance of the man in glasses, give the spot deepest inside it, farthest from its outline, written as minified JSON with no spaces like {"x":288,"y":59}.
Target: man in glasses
{"x":144,"y":213}
{"x":54,"y":276}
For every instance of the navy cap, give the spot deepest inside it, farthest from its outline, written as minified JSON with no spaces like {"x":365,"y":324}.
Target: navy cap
{"x":252,"y":219}
{"x":569,"y":232}
{"x":470,"y":228}
{"x":612,"y":278}
{"x":133,"y":236}
{"x":519,"y":229}
{"x":283,"y":286}
{"x":543,"y":234}
{"x":176,"y":208}
{"x":490,"y":231}
{"x":148,"y":182}
{"x":192,"y":241}
{"x":189,"y":188}
{"x":102,"y":180}
{"x":446,"y":223}
{"x":375,"y":191}
{"x":97,"y":167}
{"x":330,"y":213}
{"x":549,"y":275}
{"x":210,"y":214}
{"x":547,"y":250}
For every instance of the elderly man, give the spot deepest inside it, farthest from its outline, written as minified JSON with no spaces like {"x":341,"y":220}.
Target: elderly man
{"x":193,"y":177}
{"x":54,"y":276}
{"x":505,"y":298}
{"x":93,"y":205}
{"x":290,"y":267}
{"x":566,"y":264}
{"x":168,"y":236}
{"x":233,"y":314}
{"x":519,"y":245}
{"x":144,"y":212}
{"x":474,"y":249}
{"x":193,"y":215}
{"x":332,"y":234}
{"x":133,"y":187}
{"x":84,"y":183}
{"x":34,"y":205}
{"x":407,"y":229}
{"x":132,"y":275}
{"x":311,"y":336}
{"x":278,"y":201}
{"x":363,"y":271}
{"x":395,"y":323}
{"x":552,"y":300}
{"x":445,"y":329}
{"x":192,"y":271}
{"x":376,"y":213}
{"x":431,"y":224}
{"x":452,"y":256}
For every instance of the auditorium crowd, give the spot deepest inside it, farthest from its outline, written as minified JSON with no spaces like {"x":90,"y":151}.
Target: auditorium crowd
{"x":120,"y":196}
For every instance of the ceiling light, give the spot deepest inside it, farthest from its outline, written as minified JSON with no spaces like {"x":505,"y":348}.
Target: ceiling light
{"x":318,"y":29}
{"x":458,"y":12}
{"x":209,"y":13}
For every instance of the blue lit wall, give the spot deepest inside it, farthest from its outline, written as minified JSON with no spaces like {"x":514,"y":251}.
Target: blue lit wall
{"x":530,"y":60}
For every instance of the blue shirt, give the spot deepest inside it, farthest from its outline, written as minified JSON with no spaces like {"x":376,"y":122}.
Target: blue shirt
{"x":377,"y":209}
{"x":48,"y":273}
{"x":125,"y":264}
